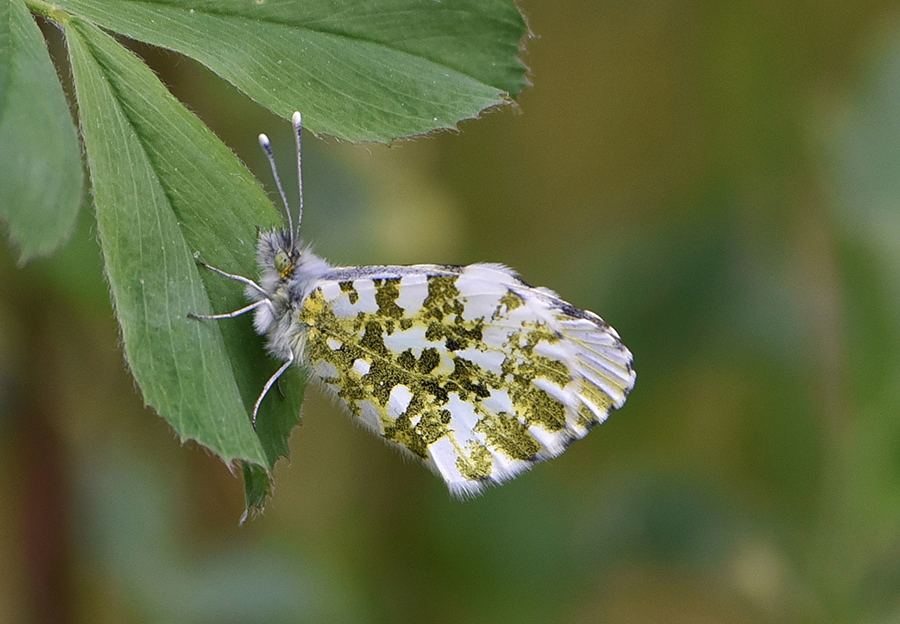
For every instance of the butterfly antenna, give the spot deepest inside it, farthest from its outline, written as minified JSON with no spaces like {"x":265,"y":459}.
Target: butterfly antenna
{"x":297,"y":120}
{"x":266,"y":146}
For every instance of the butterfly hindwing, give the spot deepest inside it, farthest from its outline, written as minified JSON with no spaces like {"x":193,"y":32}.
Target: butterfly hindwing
{"x":467,"y":368}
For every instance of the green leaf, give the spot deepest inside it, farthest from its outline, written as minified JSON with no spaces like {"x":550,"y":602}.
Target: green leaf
{"x":41,"y":180}
{"x":375,"y":70}
{"x":256,"y":489}
{"x":164,"y":188}
{"x":6,"y":47}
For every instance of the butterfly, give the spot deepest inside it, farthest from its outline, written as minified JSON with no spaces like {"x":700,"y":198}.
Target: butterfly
{"x":467,"y":368}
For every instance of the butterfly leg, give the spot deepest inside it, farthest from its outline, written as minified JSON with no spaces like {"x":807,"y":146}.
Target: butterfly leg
{"x":237,"y":278}
{"x":269,"y":384}
{"x":228,"y":315}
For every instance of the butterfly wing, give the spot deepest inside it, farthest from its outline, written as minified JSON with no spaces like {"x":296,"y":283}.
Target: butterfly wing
{"x":468,"y":368}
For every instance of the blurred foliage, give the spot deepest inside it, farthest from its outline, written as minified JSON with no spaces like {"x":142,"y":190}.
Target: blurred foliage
{"x":720,"y":181}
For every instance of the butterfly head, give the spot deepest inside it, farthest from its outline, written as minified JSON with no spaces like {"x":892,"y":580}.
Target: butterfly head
{"x":279,"y":257}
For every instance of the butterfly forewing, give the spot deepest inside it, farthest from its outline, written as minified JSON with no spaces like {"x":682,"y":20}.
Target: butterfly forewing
{"x":467,"y":368}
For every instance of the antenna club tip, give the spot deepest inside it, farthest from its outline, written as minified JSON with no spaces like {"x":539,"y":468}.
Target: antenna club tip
{"x":264,"y":141}
{"x":297,"y":119}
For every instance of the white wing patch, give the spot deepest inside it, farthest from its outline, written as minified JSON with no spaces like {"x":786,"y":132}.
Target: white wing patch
{"x":469,"y":369}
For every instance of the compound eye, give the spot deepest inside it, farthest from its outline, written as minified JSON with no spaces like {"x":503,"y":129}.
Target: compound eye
{"x":283,"y":263}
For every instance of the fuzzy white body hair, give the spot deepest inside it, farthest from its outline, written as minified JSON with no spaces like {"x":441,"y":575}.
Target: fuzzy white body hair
{"x":284,"y":293}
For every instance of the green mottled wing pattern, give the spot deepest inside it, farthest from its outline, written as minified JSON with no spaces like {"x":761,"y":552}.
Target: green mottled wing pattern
{"x":467,"y":368}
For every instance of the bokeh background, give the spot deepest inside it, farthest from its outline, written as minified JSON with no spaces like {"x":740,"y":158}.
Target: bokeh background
{"x":719,"y":180}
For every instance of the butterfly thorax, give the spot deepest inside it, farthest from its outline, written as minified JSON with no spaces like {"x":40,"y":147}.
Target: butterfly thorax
{"x":287,"y":275}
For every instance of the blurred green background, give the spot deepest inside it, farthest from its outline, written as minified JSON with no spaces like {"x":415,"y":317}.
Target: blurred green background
{"x":719,"y":180}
